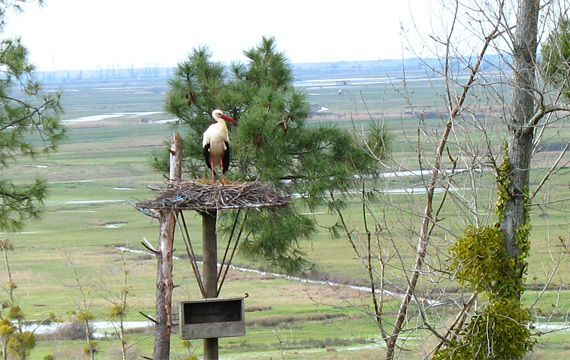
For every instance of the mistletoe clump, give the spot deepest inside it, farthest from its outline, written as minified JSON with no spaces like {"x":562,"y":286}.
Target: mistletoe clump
{"x":502,"y":328}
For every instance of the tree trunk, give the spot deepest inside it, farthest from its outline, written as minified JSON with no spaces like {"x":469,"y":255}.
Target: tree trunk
{"x":521,"y":133}
{"x":164,"y":284}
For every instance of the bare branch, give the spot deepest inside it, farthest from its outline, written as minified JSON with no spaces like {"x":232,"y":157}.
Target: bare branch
{"x":425,"y":231}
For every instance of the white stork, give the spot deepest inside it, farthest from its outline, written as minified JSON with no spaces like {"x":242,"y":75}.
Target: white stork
{"x":216,"y":143}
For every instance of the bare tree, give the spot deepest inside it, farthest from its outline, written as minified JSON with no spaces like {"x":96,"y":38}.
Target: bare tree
{"x":474,"y":187}
{"x":120,"y":297}
{"x":83,"y":312}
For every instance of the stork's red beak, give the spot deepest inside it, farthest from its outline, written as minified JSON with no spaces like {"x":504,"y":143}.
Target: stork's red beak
{"x":227,"y":118}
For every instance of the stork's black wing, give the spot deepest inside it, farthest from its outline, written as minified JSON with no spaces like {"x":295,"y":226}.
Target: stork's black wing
{"x":207,"y":155}
{"x":226,"y":159}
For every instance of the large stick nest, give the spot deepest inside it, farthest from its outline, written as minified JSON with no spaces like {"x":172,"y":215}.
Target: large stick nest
{"x":206,"y":196}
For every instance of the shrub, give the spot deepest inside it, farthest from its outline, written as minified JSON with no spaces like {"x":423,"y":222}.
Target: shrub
{"x":73,"y":330}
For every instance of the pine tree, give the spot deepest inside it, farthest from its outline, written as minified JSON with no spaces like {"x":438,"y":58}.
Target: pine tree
{"x":555,"y":62}
{"x":271,"y":142}
{"x":29,"y":125}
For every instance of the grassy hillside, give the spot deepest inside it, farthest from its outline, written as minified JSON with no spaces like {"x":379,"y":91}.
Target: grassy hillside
{"x":106,"y":161}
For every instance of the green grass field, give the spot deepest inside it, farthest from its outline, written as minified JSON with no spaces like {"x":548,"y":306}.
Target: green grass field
{"x":106,"y":162}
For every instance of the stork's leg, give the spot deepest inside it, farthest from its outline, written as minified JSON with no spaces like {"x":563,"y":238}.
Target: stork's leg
{"x":213,"y":172}
{"x":222,"y":168}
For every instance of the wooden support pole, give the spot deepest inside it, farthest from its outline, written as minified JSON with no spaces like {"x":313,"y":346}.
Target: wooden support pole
{"x":164,"y":284}
{"x":210,"y":273}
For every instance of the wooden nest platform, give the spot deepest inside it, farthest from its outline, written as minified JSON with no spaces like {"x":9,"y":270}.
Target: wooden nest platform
{"x":207,"y":196}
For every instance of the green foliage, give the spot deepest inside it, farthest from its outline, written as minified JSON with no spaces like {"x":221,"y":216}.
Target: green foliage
{"x":21,"y":344}
{"x":6,"y":328}
{"x":515,"y":269}
{"x":503,"y":182}
{"x":479,"y":259}
{"x":378,"y":141}
{"x":24,"y":110}
{"x":19,"y":203}
{"x":556,"y":57}
{"x":118,"y":311}
{"x":91,"y":349}
{"x":14,"y":340}
{"x":271,"y":141}
{"x":83,"y":315}
{"x":272,"y":236}
{"x":194,"y":85}
{"x":499,"y":331}
{"x":15,"y":313}
{"x":268,"y":67}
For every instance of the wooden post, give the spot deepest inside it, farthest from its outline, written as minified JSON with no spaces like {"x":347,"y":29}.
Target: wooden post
{"x":175,"y":158}
{"x":164,"y":284}
{"x":210,"y":273}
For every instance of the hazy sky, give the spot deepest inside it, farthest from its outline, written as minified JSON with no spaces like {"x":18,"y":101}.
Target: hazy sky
{"x":88,"y":34}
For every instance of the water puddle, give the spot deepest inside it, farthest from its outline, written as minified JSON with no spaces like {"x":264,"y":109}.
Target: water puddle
{"x":93,"y":201}
{"x":91,"y":118}
{"x":100,"y":328}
